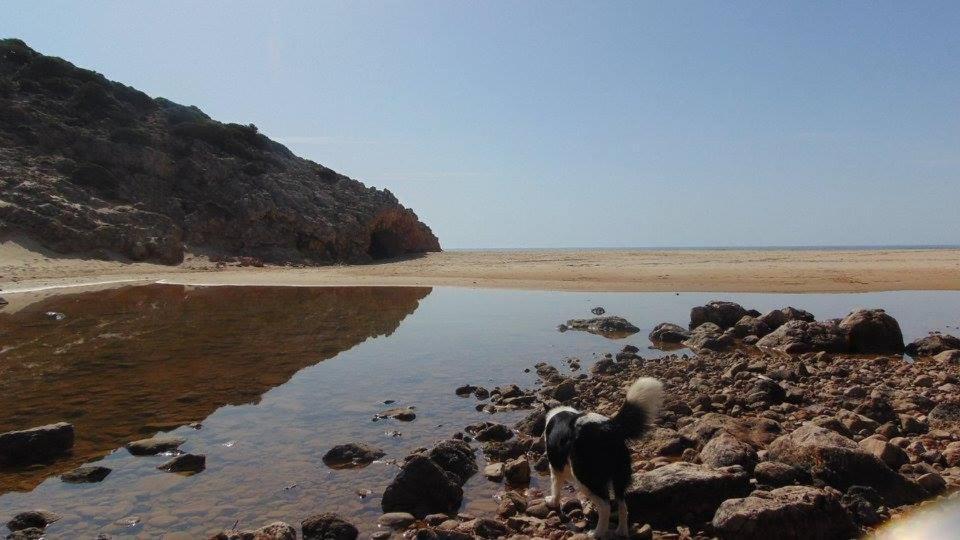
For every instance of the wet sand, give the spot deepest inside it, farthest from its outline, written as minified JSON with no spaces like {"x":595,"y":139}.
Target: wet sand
{"x":24,"y":267}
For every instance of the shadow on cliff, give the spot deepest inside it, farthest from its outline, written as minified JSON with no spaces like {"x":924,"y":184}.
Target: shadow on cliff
{"x":125,"y":363}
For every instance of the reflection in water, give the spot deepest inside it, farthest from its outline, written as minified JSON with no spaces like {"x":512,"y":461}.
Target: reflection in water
{"x":125,"y":363}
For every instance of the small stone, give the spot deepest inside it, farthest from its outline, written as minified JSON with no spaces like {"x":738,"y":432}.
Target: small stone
{"x":154,"y":445}
{"x":85,"y":475}
{"x":517,"y":471}
{"x":185,"y":464}
{"x":32,"y":519}
{"x":328,"y":526}
{"x":396,"y":520}
{"x":932,"y":482}
{"x":494,"y":472}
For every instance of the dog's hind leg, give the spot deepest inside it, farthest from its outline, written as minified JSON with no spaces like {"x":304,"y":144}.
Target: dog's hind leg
{"x":603,"y":515}
{"x":623,"y":523}
{"x":557,"y":479}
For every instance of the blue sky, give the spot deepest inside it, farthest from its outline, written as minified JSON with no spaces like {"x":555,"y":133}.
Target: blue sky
{"x":575,"y":124}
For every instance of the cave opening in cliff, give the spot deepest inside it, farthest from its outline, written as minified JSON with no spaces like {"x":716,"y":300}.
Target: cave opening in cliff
{"x":385,"y":244}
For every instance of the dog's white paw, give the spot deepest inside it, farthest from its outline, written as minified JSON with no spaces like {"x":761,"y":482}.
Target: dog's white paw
{"x":551,"y":501}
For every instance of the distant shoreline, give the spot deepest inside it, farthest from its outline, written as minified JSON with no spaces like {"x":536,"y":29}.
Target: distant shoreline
{"x":681,"y":270}
{"x":722,"y":248}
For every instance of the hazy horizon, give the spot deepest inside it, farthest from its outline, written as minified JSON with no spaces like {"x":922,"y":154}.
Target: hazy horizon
{"x":564,"y":125}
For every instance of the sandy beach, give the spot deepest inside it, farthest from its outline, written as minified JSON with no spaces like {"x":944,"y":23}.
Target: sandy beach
{"x":24,"y":266}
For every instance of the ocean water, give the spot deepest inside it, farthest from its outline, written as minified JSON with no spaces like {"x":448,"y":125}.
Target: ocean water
{"x":272,"y":377}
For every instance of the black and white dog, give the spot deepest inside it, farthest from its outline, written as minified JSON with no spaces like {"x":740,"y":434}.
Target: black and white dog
{"x":591,"y":450}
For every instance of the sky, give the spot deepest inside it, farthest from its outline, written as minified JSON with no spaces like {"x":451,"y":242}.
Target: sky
{"x":575,"y":124}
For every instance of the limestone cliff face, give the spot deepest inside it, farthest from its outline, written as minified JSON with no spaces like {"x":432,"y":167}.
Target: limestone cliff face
{"x":92,"y":166}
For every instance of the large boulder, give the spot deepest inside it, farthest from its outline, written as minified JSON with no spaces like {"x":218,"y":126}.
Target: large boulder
{"x":776,"y":318}
{"x":456,"y":457}
{"x":35,"y":445}
{"x":788,"y":513}
{"x":422,"y":487}
{"x":758,"y":432}
{"x":724,"y":450}
{"x":837,"y":461}
{"x":933,"y":345}
{"x":796,"y":336}
{"x":610,"y":326}
{"x":721,"y":313}
{"x":708,"y":337}
{"x":872,"y":331}
{"x":328,"y":526}
{"x":669,"y":333}
{"x":683,"y":492}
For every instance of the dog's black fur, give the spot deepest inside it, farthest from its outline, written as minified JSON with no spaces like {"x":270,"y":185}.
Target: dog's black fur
{"x":592,"y":448}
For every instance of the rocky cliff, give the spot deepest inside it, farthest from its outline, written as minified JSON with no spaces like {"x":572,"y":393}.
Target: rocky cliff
{"x":88,"y":165}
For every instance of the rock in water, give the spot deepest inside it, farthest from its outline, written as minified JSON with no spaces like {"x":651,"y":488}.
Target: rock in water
{"x":872,"y":331}
{"x":154,"y":445}
{"x":35,"y":445}
{"x":33,"y":519}
{"x":790,"y":513}
{"x":669,"y":333}
{"x":187,"y":464}
{"x":455,"y":457}
{"x":610,"y":326}
{"x":274,"y":531}
{"x":797,"y":336}
{"x":328,"y":526}
{"x":422,"y":487}
{"x":351,"y":455}
{"x":721,"y":313}
{"x":143,"y":177}
{"x":933,"y":345}
{"x":86,"y":475}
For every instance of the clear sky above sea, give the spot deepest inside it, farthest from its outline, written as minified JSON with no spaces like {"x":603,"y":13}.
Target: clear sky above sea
{"x":575,"y":124}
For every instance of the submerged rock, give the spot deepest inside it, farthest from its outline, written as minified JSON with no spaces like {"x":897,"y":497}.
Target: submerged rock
{"x":35,"y":445}
{"x":328,"y":526}
{"x":352,"y":455}
{"x":790,"y":513}
{"x":403,"y":414}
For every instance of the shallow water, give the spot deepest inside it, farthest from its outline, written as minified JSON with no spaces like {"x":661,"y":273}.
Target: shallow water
{"x":278,"y":375}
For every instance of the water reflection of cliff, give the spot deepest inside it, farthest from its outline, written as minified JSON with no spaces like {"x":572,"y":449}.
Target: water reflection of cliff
{"x":128,"y":362}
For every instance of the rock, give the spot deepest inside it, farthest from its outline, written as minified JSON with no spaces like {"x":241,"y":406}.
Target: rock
{"x":750,"y":326}
{"x":893,"y":456}
{"x":277,"y":530}
{"x":724,"y":449}
{"x":951,"y":357}
{"x":683,"y":492}
{"x":352,"y":455}
{"x":86,"y":475}
{"x":932,"y":482}
{"x":455,"y":457}
{"x":791,"y":512}
{"x":669,"y":333}
{"x":872,"y":331}
{"x":721,"y":313}
{"x":38,"y":519}
{"x":489,"y":528}
{"x":517,"y":472}
{"x":533,"y":424}
{"x":494,"y":432}
{"x":610,"y":326}
{"x":465,"y":390}
{"x":757,"y":432}
{"x":776,"y":474}
{"x":226,"y":188}
{"x":877,"y":409}
{"x":30,"y":533}
{"x":154,"y":445}
{"x":862,"y":504}
{"x":932,"y":345}
{"x":186,"y":464}
{"x":945,"y":416}
{"x":494,"y":472}
{"x":403,"y":414}
{"x":776,"y":318}
{"x":708,"y":337}
{"x":598,"y":311}
{"x":422,"y":487}
{"x":503,"y":451}
{"x":767,"y":391}
{"x":797,"y":336}
{"x":328,"y":526}
{"x":951,"y":454}
{"x":35,"y":445}
{"x":837,"y":461}
{"x":855,"y":423}
{"x":564,"y":391}
{"x":396,"y":520}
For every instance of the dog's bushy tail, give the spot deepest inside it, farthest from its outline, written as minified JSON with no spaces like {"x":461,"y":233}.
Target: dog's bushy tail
{"x":640,"y":409}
